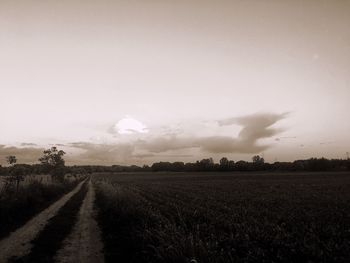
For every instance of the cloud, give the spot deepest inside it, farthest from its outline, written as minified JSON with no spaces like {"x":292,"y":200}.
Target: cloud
{"x":285,"y":137}
{"x":28,"y":144}
{"x":105,"y":154}
{"x":128,"y":125}
{"x":167,"y":143}
{"x":258,"y":126}
{"x":24,"y":155}
{"x":254,"y":128}
{"x":325,"y":143}
{"x":57,"y":144}
{"x":170,"y":145}
{"x":225,"y":144}
{"x":258,"y":119}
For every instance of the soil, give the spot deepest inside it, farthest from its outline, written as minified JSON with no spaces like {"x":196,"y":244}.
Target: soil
{"x":84,"y":243}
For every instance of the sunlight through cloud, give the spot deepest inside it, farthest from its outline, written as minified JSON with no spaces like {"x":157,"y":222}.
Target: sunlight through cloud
{"x":130,"y":125}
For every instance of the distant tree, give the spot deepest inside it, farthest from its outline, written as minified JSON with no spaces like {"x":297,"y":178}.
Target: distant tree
{"x":191,"y":167}
{"x":322,"y":164}
{"x":161,"y":166}
{"x":206,"y":164}
{"x":11,"y":160}
{"x":242,"y":166}
{"x":53,"y":161}
{"x":258,"y":160}
{"x":224,"y":163}
{"x":178,"y":166}
{"x":258,"y":163}
{"x":231,"y":165}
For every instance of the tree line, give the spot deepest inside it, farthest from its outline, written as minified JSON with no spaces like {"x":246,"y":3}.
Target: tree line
{"x":53,"y":163}
{"x":257,"y":164}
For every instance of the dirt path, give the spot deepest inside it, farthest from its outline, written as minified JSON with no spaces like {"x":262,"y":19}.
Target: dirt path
{"x":18,"y":243}
{"x":84,"y":243}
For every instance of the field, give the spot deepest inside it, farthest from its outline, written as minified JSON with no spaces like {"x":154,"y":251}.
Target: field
{"x":221,"y":217}
{"x":179,"y":217}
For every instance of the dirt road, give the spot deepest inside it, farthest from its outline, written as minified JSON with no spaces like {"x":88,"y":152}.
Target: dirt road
{"x":18,"y":243}
{"x":84,"y":243}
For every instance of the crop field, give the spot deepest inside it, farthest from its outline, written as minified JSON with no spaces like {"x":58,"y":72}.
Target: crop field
{"x":224,"y":217}
{"x":178,"y":217}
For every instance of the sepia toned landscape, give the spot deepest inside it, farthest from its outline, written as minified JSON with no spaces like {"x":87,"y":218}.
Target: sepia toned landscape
{"x":175,"y":212}
{"x":174,"y":131}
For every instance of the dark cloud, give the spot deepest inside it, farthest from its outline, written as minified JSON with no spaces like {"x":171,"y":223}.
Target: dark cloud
{"x":24,"y":155}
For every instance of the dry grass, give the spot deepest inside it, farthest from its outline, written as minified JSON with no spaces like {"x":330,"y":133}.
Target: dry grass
{"x":33,"y":196}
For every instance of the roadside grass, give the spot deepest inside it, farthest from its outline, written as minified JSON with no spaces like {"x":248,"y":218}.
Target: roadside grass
{"x":263,"y":218}
{"x":16,"y":208}
{"x":121,"y":220}
{"x":50,"y":239}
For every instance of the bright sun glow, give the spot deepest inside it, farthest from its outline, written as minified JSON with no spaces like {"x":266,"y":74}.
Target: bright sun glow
{"x":129,"y":125}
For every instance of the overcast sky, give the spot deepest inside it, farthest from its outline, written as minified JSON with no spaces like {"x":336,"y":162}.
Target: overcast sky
{"x":140,"y":81}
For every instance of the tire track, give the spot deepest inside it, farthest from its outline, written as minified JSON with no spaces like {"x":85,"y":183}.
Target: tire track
{"x":84,"y":243}
{"x":50,"y":239}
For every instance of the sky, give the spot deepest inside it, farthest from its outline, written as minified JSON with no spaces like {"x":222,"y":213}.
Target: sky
{"x":134,"y":82}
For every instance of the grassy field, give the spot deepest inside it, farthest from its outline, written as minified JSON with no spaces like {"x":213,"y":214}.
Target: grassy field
{"x":239,"y":217}
{"x":34,"y":194}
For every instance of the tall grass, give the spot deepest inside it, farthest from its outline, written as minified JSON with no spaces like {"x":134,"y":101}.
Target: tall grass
{"x":123,"y":222}
{"x":17,"y":207}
